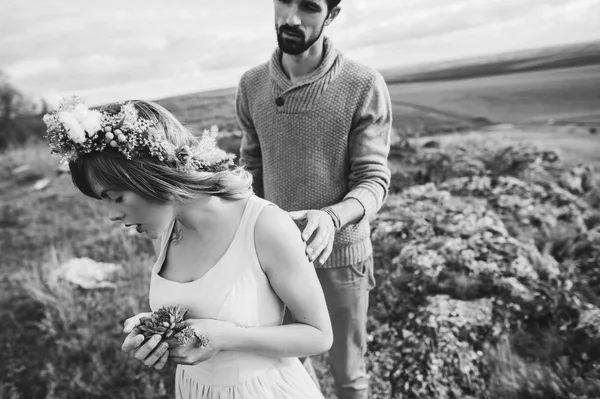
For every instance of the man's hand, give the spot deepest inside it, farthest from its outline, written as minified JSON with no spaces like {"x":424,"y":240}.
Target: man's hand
{"x":319,"y":224}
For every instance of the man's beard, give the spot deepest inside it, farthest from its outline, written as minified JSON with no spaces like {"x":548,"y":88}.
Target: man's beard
{"x":295,"y":44}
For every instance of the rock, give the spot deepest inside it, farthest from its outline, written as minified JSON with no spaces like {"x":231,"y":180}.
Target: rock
{"x":41,"y":184}
{"x":457,"y":313}
{"x":589,"y":321}
{"x":62,"y":169}
{"x":517,"y":290}
{"x":418,"y":257}
{"x":19,"y":170}
{"x":87,"y":273}
{"x":24,"y":175}
{"x":432,"y":144}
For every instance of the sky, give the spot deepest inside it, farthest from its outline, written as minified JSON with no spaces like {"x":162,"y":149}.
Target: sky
{"x":113,"y":50}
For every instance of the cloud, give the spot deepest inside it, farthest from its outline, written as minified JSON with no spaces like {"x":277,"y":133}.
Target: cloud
{"x":100,"y":61}
{"x":32,"y":67}
{"x":110,"y":45}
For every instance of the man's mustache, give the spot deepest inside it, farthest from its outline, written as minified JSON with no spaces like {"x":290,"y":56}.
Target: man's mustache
{"x":289,"y":29}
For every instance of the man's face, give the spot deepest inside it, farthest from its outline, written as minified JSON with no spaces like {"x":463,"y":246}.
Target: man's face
{"x":299,"y":24}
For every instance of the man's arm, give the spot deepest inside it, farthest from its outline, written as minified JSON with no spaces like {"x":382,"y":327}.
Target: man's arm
{"x":250,"y":152}
{"x":369,"y":147}
{"x":369,"y":179}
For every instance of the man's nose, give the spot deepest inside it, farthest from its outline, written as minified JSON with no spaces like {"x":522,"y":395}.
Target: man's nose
{"x":293,"y":19}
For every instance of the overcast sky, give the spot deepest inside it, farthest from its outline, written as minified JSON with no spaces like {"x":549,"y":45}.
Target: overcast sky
{"x":113,"y":50}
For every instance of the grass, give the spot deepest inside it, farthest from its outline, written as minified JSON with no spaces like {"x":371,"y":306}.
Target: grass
{"x":63,"y":342}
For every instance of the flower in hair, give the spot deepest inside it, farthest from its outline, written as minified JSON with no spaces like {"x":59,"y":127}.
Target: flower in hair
{"x":81,"y":122}
{"x":74,"y":129}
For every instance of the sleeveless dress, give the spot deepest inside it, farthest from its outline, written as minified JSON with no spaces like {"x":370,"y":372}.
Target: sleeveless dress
{"x":235,"y":289}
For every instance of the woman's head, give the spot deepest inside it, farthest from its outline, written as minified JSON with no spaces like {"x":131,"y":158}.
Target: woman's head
{"x":154,"y":166}
{"x":192,"y":167}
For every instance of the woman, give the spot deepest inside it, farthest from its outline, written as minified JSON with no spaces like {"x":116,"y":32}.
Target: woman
{"x":234,"y":260}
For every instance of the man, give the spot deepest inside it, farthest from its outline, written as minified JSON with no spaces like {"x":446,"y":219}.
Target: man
{"x":316,"y":139}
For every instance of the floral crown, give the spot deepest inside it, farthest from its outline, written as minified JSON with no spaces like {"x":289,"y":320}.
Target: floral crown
{"x":74,"y":129}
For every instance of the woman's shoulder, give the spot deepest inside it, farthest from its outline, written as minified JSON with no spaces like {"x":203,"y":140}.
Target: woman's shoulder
{"x":275,"y":231}
{"x":273,"y":220}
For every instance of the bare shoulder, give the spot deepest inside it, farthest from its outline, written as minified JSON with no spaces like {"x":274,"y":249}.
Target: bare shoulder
{"x":273,"y":223}
{"x":276,"y":238}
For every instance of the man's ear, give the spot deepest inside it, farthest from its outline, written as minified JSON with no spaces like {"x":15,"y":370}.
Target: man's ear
{"x":332,"y":14}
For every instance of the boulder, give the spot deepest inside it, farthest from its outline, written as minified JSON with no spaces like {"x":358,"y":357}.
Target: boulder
{"x":87,"y":273}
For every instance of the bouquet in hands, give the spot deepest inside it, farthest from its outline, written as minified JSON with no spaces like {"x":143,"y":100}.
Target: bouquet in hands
{"x":170,"y":323}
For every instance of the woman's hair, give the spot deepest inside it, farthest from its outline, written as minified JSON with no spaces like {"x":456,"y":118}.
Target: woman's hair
{"x":151,"y":178}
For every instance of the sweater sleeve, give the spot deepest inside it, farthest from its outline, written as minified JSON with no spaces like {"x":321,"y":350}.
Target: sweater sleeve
{"x":369,"y":147}
{"x":250,"y":152}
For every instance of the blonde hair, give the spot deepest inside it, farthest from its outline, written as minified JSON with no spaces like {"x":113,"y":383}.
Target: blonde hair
{"x":151,"y":178}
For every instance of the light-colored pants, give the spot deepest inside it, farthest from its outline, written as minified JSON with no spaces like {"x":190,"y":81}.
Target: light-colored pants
{"x":347,"y":294}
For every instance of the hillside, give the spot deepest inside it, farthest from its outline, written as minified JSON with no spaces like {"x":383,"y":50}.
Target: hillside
{"x":566,"y":56}
{"x":487,"y":283}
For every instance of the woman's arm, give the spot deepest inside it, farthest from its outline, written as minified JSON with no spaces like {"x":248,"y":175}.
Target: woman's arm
{"x":281,"y":253}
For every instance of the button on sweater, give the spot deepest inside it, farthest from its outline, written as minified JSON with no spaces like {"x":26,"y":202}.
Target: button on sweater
{"x":319,"y":141}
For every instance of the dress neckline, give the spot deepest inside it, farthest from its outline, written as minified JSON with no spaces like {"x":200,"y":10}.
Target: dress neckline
{"x":165,"y":246}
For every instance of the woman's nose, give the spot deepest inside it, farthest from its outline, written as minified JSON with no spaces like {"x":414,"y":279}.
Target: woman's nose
{"x":114,"y":215}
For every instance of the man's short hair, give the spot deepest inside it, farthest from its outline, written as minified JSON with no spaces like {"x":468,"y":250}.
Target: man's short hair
{"x":332,"y":3}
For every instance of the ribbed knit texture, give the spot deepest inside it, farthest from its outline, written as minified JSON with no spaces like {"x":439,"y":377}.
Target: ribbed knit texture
{"x":328,"y":141}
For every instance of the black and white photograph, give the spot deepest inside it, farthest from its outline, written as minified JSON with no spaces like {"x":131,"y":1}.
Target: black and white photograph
{"x":300,"y":199}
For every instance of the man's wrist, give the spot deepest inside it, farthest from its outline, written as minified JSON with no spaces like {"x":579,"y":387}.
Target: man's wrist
{"x":337,"y":223}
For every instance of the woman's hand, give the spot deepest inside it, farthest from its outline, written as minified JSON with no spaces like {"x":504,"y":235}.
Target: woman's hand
{"x":215,"y":331}
{"x":151,"y":353}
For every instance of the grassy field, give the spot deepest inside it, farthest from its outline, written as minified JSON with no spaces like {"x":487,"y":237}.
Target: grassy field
{"x":537,"y":96}
{"x":567,"y":56}
{"x":61,"y":342}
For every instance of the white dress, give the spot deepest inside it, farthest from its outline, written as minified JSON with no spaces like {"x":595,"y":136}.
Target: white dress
{"x":235,"y":289}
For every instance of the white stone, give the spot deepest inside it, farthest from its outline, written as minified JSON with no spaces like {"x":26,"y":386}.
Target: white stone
{"x":87,"y":273}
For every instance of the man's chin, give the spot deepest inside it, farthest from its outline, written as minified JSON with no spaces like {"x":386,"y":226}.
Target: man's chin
{"x":291,"y":50}
{"x":290,"y":46}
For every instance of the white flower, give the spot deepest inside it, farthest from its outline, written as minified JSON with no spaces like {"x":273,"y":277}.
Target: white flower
{"x":91,"y":124}
{"x":79,"y":121}
{"x":75,"y":131}
{"x":80,"y":112}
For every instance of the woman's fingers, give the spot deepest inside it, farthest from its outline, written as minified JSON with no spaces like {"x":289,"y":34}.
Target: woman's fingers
{"x":133,"y":322}
{"x":145,"y":350}
{"x":156,"y":355}
{"x":162,"y":361}
{"x":132,"y":341}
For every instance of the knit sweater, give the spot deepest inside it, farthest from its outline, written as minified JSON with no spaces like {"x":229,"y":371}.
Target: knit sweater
{"x":319,"y":141}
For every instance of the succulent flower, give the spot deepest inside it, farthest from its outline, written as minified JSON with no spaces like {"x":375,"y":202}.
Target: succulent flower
{"x":168,"y":322}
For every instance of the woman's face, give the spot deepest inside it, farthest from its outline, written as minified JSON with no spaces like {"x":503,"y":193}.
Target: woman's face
{"x":133,"y":210}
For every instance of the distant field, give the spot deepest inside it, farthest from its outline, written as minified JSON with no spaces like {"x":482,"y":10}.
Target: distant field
{"x":563,"y":86}
{"x":521,"y":61}
{"x":574,"y":145}
{"x":571,"y":94}
{"x":559,"y":84}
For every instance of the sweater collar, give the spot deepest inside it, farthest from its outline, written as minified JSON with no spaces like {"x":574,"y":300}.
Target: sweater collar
{"x":330,"y":55}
